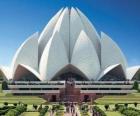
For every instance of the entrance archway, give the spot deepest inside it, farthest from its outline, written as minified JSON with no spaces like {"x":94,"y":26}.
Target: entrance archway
{"x":86,"y":98}
{"x":53,"y":99}
{"x":70,"y":71}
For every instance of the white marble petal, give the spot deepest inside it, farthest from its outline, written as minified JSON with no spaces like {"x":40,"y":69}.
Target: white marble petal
{"x":53,"y":58}
{"x":27,"y":54}
{"x":85,"y":58}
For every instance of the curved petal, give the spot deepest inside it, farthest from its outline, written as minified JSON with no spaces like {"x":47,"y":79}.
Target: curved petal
{"x":62,"y":27}
{"x":91,"y":32}
{"x":53,"y":58}
{"x":113,"y":73}
{"x":76,"y":26}
{"x":110,"y":53}
{"x":70,"y":69}
{"x":85,"y":57}
{"x":47,"y":32}
{"x":27,"y":54}
{"x":133,"y":73}
{"x":4,"y":73}
{"x":25,"y":73}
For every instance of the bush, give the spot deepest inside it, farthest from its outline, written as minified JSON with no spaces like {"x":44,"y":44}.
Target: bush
{"x":106,"y":107}
{"x":40,"y":108}
{"x":35,"y":106}
{"x":5,"y":109}
{"x":3,"y":112}
{"x":136,"y":85}
{"x":5,"y":103}
{"x":4,"y":85}
{"x":60,"y":110}
{"x":15,"y":104}
{"x":135,"y":104}
{"x":17,"y":111}
{"x":129,"y":111}
{"x":55,"y":107}
{"x":25,"y":105}
{"x":84,"y":107}
{"x":97,"y":109}
{"x":43,"y":111}
{"x":126,"y":105}
{"x":116,"y":107}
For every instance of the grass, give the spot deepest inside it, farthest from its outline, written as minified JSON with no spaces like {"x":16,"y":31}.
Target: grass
{"x":111,"y":111}
{"x":15,"y":99}
{"x":113,"y":99}
{"x":23,"y":99}
{"x":30,"y":114}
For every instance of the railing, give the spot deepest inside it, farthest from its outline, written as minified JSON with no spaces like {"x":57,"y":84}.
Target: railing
{"x":31,"y":91}
{"x":104,"y":86}
{"x":36,"y":86}
{"x":104,"y":82}
{"x":107,"y":91}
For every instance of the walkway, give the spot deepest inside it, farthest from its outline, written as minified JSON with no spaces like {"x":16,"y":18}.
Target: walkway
{"x":73,"y":111}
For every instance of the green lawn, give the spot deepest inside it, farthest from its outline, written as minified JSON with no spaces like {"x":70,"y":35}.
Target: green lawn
{"x":112,"y":99}
{"x":30,"y":114}
{"x":24,"y":99}
{"x":111,"y":111}
{"x":121,"y":99}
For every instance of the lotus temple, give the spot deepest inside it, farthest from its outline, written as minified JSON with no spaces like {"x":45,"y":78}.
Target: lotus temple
{"x":69,"y":61}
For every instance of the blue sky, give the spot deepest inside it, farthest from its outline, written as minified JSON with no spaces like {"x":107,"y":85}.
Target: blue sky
{"x":120,"y":19}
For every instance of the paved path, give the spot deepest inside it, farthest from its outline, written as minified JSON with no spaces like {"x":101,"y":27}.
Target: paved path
{"x":76,"y":111}
{"x":68,"y":114}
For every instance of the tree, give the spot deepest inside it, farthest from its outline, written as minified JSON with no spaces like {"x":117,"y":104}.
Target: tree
{"x":4,"y":85}
{"x":35,"y":106}
{"x":135,"y":104}
{"x":136,"y":85}
{"x":126,"y":105}
{"x":116,"y":107}
{"x":6,"y":103}
{"x":15,"y":104}
{"x":106,"y":107}
{"x":40,"y":108}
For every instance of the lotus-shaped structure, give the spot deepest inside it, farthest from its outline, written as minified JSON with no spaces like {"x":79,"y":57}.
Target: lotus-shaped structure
{"x":69,"y":47}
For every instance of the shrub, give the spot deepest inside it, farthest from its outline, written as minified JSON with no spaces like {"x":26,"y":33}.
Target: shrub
{"x":116,"y":107}
{"x":106,"y":107}
{"x":17,"y":111}
{"x":126,"y":105}
{"x":129,"y":111}
{"x":97,"y":109}
{"x":35,"y":106}
{"x":55,"y":107}
{"x":43,"y":111}
{"x":135,"y":104}
{"x":25,"y":105}
{"x":15,"y":104}
{"x":3,"y":112}
{"x":5,"y":103}
{"x":40,"y":108}
{"x":4,"y":85}
{"x":5,"y":109}
{"x":136,"y":85}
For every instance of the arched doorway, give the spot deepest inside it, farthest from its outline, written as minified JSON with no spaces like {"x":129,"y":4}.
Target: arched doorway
{"x":53,"y":98}
{"x":86,"y":98}
{"x":68,"y":72}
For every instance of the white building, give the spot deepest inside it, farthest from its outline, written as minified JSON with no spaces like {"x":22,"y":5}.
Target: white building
{"x":70,"y":47}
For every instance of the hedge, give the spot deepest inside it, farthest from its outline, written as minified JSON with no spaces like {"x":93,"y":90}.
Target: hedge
{"x":5,"y":109}
{"x":17,"y":111}
{"x":128,"y":111}
{"x":43,"y":111}
{"x":98,"y":110}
